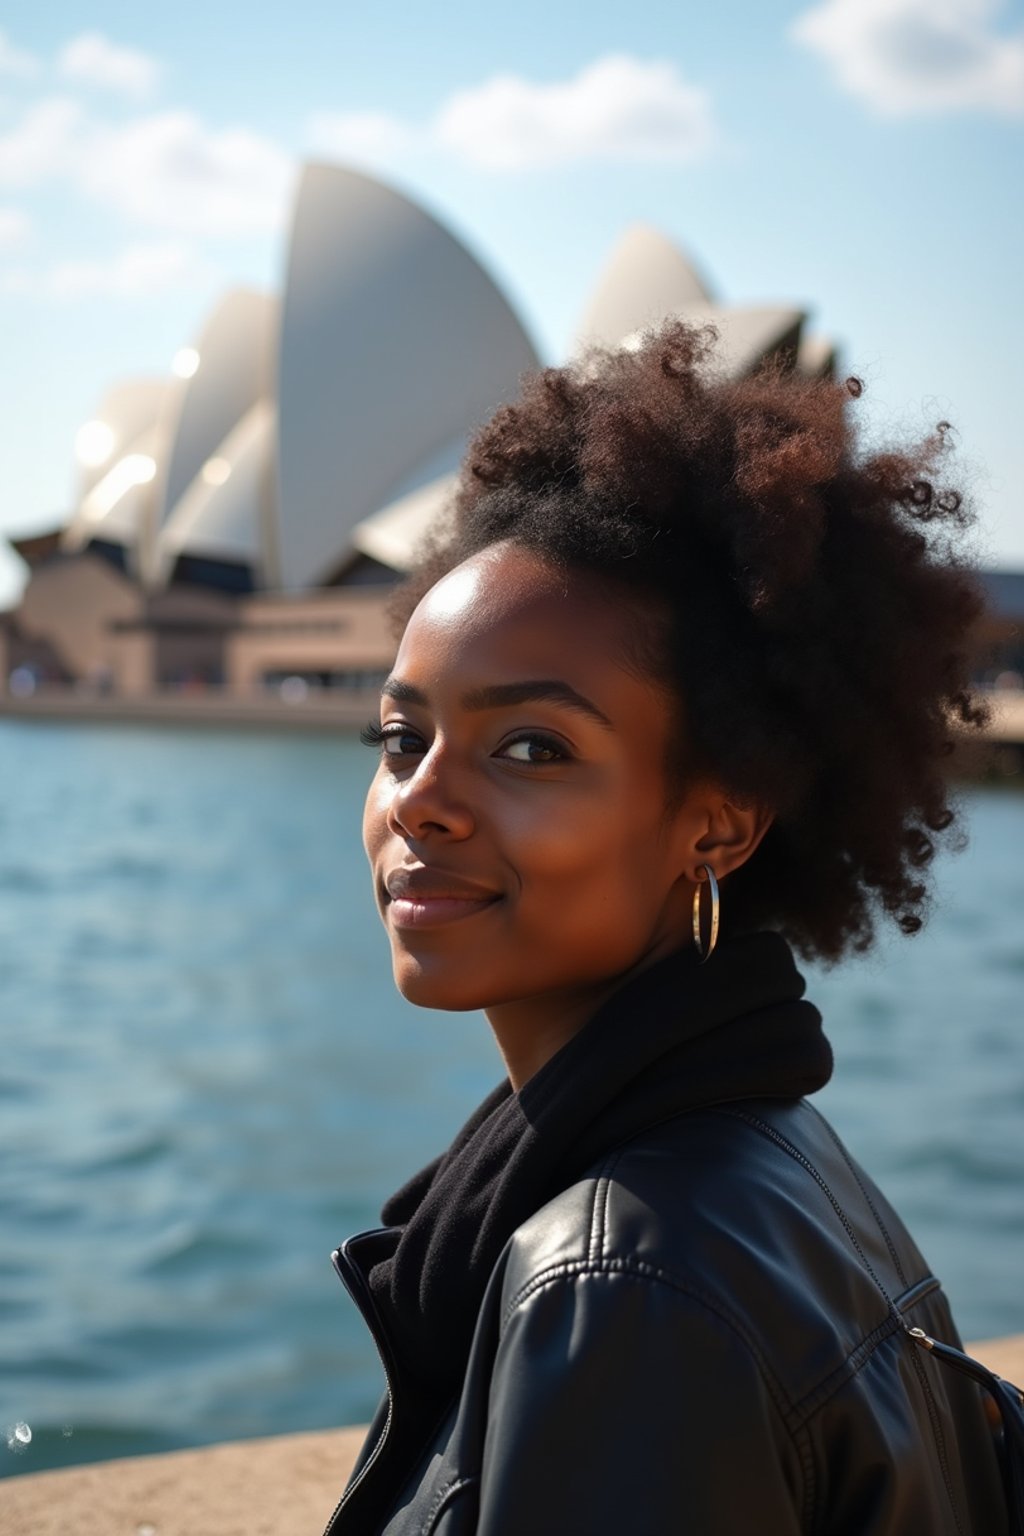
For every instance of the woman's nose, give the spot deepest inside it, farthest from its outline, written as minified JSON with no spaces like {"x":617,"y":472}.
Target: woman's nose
{"x":431,"y":801}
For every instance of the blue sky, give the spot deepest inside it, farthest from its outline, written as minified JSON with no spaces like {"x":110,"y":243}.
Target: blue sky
{"x":860,"y":157}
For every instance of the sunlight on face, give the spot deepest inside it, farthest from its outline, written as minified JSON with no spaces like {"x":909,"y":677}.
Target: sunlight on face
{"x":455,"y":594}
{"x":516,"y":824}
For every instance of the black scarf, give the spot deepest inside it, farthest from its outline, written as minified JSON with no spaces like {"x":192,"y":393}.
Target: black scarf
{"x":679,"y":1036}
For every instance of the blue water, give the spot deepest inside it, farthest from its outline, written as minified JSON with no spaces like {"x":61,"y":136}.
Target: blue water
{"x":206,"y":1081}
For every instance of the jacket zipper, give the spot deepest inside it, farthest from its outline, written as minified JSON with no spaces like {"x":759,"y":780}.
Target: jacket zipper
{"x":351,"y":1277}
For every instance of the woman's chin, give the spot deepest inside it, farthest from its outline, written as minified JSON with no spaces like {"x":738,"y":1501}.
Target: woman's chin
{"x":442,"y":987}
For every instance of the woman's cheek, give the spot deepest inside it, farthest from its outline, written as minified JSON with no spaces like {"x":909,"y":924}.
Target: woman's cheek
{"x":375,"y":813}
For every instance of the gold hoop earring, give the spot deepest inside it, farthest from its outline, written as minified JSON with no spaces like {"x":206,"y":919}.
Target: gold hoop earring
{"x":698,"y":943}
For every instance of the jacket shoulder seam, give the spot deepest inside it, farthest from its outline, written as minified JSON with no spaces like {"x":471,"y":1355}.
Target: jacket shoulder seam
{"x":785,"y":1145}
{"x":817,"y":1397}
{"x":599,"y":1207}
{"x":848,"y":1160}
{"x":637,"y":1269}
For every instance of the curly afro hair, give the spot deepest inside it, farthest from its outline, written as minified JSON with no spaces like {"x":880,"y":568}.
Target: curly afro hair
{"x":815,"y":605}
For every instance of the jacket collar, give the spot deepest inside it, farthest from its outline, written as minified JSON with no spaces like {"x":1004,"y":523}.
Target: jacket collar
{"x":677,"y":1037}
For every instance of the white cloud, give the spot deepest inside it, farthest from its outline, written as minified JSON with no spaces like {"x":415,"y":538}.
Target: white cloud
{"x":167,"y":171}
{"x":909,"y":56}
{"x":15,"y":227}
{"x":615,"y":109}
{"x":137,"y":272}
{"x":372,"y":137}
{"x":170,"y":171}
{"x":41,"y":145}
{"x":16,"y":61}
{"x":92,"y":59}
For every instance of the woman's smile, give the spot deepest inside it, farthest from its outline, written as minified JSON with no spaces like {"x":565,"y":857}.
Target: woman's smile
{"x":433,"y":911}
{"x":421,"y":897}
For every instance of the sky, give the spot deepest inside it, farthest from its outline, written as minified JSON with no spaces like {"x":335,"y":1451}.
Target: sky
{"x":858,"y":158}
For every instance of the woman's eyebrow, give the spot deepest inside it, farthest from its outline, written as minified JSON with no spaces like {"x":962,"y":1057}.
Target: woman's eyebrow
{"x":500,"y":695}
{"x":543,"y":690}
{"x":404,"y":693}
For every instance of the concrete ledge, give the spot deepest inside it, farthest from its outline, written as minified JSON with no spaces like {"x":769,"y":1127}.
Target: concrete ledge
{"x":285,"y":1486}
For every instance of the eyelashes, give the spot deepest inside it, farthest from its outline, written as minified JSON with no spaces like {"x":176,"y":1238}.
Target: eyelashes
{"x":556,"y":753}
{"x":375,"y":735}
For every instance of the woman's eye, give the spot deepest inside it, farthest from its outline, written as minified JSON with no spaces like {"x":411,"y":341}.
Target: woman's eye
{"x":534,"y":749}
{"x":399,"y":742}
{"x":391,"y":740}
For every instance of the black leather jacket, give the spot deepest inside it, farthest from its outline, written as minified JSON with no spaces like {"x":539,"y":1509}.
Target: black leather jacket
{"x":707,"y":1334}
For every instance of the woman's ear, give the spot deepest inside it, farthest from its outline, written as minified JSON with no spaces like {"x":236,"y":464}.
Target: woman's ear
{"x":723,"y":832}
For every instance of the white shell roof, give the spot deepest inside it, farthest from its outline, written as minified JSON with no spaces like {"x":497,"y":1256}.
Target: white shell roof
{"x":393,"y":534}
{"x":235,"y":371}
{"x":333,"y":420}
{"x":817,"y":357}
{"x":129,"y":412}
{"x":224,"y":513}
{"x":746,"y":337}
{"x":394,"y":341}
{"x":646,"y":279}
{"x":119,"y":502}
{"x":747,"y":334}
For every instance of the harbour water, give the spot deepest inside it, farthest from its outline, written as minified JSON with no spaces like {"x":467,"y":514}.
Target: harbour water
{"x":207,"y":1080}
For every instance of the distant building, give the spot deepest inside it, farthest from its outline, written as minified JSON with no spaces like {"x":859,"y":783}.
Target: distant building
{"x":1000,"y":661}
{"x":239,"y":523}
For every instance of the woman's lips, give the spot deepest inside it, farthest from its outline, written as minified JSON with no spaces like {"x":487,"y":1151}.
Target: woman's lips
{"x":425,"y":898}
{"x":431,"y":911}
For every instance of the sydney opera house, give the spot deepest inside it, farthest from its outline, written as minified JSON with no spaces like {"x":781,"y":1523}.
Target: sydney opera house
{"x":237,"y":523}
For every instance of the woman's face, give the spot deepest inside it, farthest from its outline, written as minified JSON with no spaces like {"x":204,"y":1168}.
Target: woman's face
{"x":516,"y":824}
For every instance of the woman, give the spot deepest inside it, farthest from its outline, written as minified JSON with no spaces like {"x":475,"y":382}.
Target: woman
{"x":673,"y":693}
